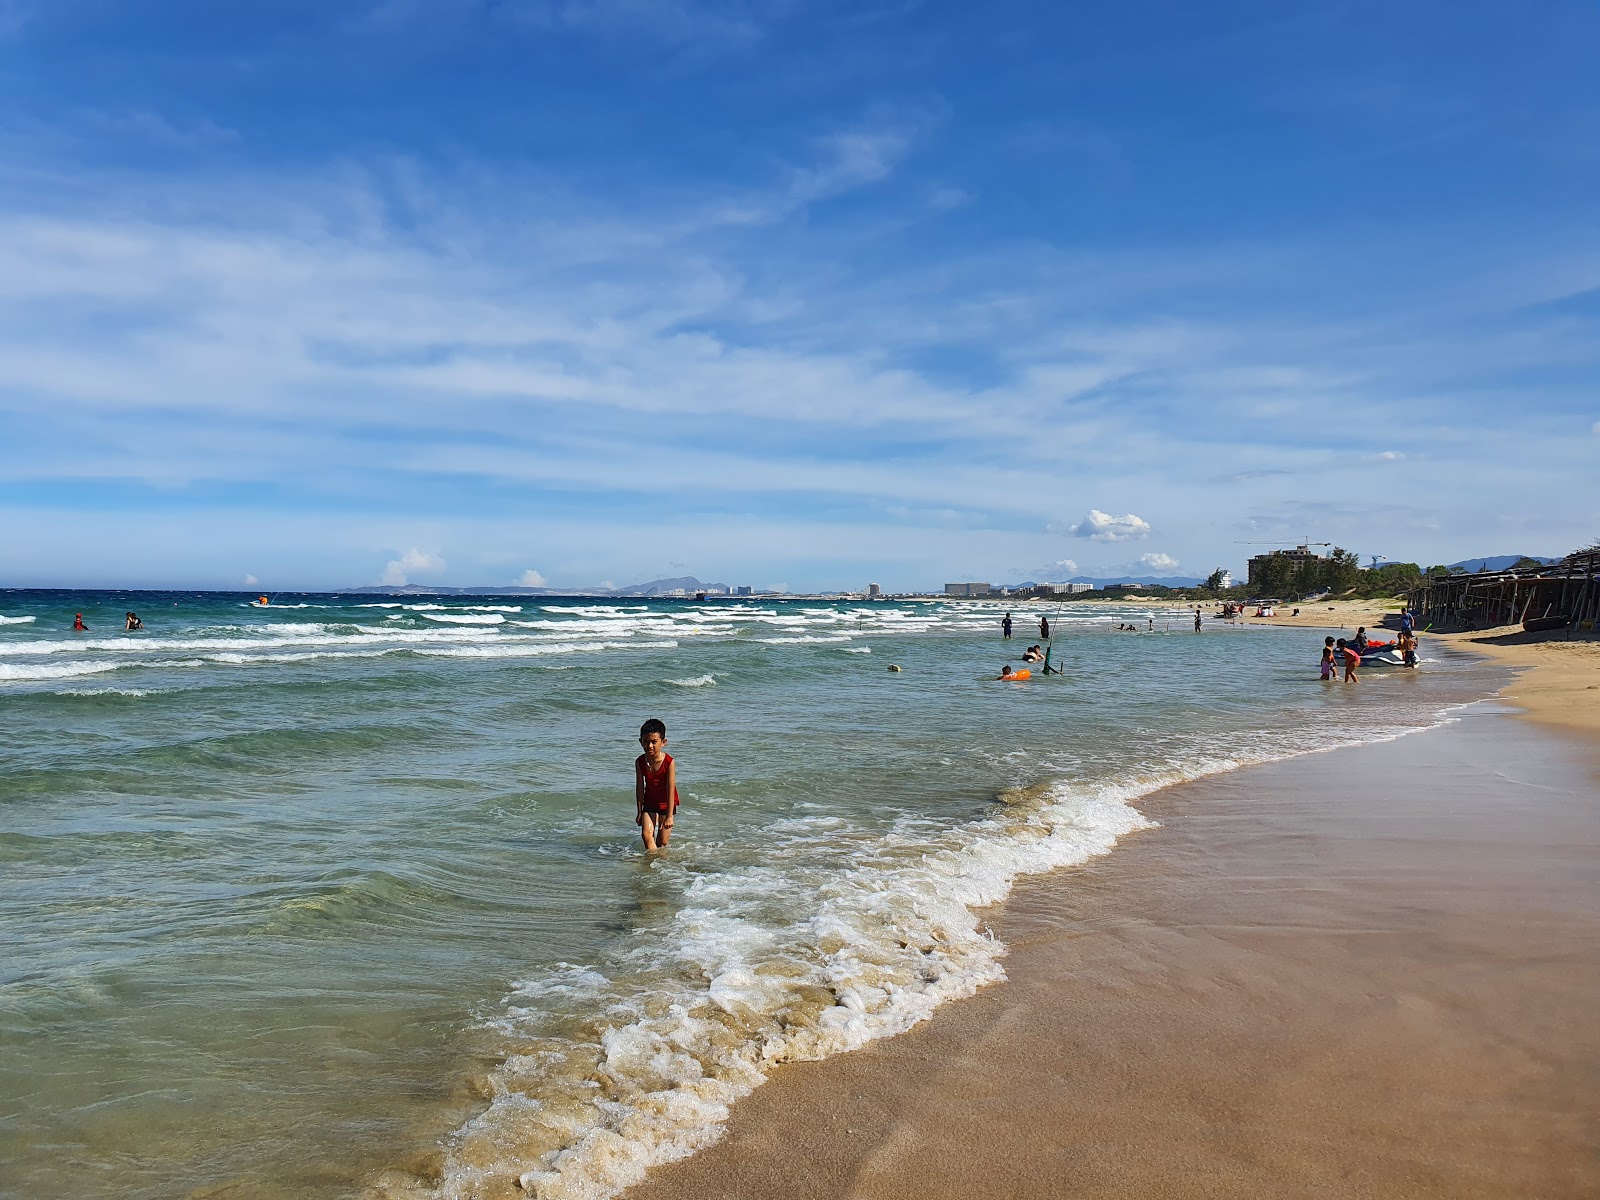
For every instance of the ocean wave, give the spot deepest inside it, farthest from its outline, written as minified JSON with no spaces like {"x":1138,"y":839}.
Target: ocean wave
{"x":806,"y":639}
{"x":875,"y":950}
{"x":696,"y":682}
{"x":858,"y":649}
{"x":626,"y":1065}
{"x":460,"y":618}
{"x":5,"y":620}
{"x":55,"y":670}
{"x":106,"y":691}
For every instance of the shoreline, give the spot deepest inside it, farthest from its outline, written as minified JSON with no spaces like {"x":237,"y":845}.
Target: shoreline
{"x":1241,"y":1003}
{"x":1558,"y":677}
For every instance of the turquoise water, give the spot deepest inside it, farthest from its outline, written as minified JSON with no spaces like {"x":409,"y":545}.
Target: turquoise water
{"x":343,"y":896}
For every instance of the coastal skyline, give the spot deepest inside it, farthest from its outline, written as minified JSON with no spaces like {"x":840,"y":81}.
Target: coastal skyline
{"x":795,"y":296}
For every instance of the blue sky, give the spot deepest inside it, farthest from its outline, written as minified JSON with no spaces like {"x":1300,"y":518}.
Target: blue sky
{"x":312,"y":294}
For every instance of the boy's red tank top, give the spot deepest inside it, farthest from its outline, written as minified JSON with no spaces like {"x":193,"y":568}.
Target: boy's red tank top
{"x":655,"y":786}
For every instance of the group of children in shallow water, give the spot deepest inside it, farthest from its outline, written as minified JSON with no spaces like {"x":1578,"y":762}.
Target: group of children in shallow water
{"x":130,"y":622}
{"x":1348,"y":652}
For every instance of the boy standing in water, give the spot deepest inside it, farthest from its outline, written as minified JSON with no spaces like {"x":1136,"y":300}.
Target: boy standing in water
{"x":655,"y":786}
{"x":1329,"y":670}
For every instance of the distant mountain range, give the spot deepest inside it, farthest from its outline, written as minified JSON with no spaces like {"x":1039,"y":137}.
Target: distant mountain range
{"x":656,"y":587}
{"x":1497,"y":562}
{"x":689,"y":585}
{"x":1173,"y":581}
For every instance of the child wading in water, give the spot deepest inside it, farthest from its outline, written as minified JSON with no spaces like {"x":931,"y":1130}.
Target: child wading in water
{"x":1329,"y":669}
{"x":655,"y":786}
{"x":1352,"y":660}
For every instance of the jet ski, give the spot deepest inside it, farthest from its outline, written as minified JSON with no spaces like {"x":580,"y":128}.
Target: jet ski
{"x":1381,"y":654}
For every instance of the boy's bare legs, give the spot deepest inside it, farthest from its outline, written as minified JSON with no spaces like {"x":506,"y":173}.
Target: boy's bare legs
{"x":656,"y":829}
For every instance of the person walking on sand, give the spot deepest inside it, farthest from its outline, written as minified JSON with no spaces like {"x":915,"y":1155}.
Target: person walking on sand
{"x":1352,"y":660}
{"x":655,"y":786}
{"x":1005,"y":628}
{"x":1044,"y":629}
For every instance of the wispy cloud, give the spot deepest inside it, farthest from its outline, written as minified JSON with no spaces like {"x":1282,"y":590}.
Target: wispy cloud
{"x":763,"y":289}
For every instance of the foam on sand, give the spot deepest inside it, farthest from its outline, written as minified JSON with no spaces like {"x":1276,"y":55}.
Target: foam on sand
{"x":585,"y":1105}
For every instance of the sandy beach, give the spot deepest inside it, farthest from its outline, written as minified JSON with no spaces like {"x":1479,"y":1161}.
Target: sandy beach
{"x":1558,"y":681}
{"x":1368,"y":973}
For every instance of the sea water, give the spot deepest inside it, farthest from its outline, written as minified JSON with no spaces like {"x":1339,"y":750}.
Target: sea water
{"x":343,"y":896}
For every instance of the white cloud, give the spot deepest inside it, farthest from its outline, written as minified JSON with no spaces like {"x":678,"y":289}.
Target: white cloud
{"x":1157,"y":562}
{"x":251,"y":581}
{"x":413,"y":560}
{"x":530,"y":578}
{"x":1103,"y":527}
{"x":1392,"y":456}
{"x":1595,"y":429}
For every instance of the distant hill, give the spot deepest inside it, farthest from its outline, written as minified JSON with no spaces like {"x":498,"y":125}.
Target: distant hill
{"x":1497,"y":562}
{"x":1172,"y":581}
{"x":656,"y":587}
{"x":661,"y":587}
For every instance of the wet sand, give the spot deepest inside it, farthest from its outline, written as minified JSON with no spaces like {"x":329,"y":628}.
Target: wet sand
{"x":1370,"y":973}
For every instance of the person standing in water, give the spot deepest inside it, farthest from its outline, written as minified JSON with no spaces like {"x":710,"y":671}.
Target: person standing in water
{"x":77,"y":624}
{"x":1352,"y":660}
{"x":1044,"y":629}
{"x":1197,"y":618}
{"x":1005,"y":628}
{"x":655,"y":786}
{"x":1329,"y":669}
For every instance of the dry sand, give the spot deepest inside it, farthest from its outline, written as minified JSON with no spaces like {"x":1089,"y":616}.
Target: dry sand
{"x":1369,"y":973}
{"x":1330,"y":614}
{"x":1559,"y":685}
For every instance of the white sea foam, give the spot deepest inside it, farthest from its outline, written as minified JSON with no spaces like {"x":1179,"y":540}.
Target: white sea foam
{"x":105,"y":691}
{"x":55,"y":670}
{"x":858,"y":649}
{"x":693,"y":1021}
{"x":871,"y":951}
{"x":696,"y":682}
{"x":5,"y":620}
{"x":460,"y":618}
